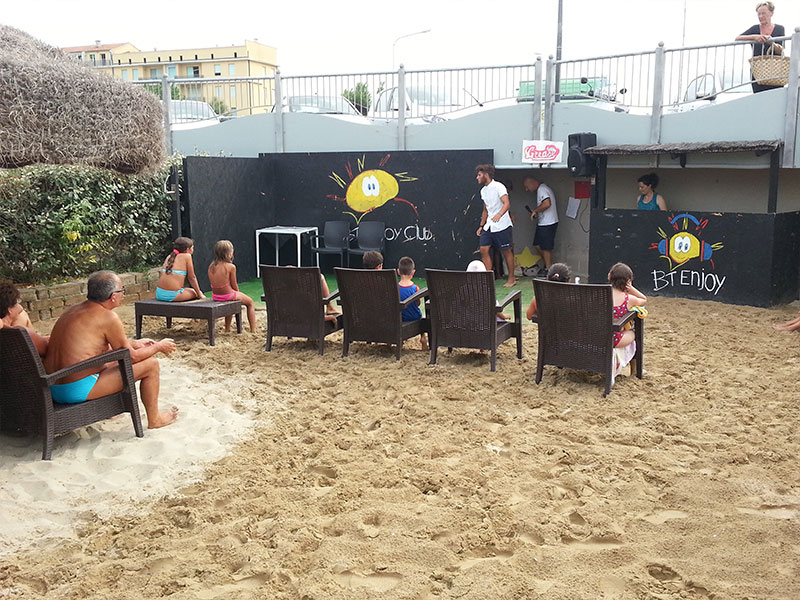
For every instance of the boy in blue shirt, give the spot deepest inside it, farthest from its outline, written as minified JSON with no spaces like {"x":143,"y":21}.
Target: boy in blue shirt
{"x":405,"y":268}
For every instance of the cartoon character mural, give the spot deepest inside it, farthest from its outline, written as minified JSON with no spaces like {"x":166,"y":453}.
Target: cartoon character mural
{"x":370,"y":189}
{"x":683,"y":245}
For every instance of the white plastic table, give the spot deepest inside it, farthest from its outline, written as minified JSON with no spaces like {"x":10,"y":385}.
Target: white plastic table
{"x":279,"y":230}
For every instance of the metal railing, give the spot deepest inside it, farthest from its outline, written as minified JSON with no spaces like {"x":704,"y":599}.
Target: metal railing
{"x":650,"y":83}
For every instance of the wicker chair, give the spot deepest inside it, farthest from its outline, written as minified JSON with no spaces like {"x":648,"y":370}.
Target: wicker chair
{"x":25,"y":401}
{"x":295,"y":305}
{"x":576,"y":328}
{"x":464,"y":313}
{"x":372,"y":308}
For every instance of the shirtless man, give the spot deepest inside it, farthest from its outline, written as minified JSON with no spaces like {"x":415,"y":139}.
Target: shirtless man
{"x":91,"y":328}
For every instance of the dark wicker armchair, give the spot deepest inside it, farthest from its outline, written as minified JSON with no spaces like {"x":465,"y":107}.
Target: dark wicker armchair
{"x":295,"y":305}
{"x":576,"y":328}
{"x":25,"y":401}
{"x":372,"y":308}
{"x":464,"y":313}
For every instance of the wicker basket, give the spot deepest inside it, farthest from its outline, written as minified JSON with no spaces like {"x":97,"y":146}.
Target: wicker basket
{"x":770,"y":69}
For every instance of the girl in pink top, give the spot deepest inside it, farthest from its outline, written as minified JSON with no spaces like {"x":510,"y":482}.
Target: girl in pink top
{"x":625,"y":296}
{"x":222,"y":276}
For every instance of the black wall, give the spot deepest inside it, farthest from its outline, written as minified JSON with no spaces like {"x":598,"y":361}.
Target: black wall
{"x":229,"y":198}
{"x":755,"y":259}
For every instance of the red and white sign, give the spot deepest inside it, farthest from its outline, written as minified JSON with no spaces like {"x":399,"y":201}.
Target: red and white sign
{"x":541,"y":151}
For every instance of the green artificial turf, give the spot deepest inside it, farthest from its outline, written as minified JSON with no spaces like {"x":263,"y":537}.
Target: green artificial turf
{"x":254,"y":290}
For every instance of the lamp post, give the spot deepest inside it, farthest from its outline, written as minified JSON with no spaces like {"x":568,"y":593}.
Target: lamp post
{"x":405,"y":36}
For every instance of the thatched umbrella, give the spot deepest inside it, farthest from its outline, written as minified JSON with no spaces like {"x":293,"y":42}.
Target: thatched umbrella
{"x":55,"y":109}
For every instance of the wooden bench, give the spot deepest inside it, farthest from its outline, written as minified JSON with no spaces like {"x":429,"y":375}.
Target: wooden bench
{"x":209,"y":310}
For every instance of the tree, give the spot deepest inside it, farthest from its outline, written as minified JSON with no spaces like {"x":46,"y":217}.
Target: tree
{"x":155,"y":88}
{"x":360,"y":97}
{"x":218,"y":105}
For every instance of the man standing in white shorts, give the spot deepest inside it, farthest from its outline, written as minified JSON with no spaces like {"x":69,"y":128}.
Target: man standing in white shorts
{"x":496,"y":229}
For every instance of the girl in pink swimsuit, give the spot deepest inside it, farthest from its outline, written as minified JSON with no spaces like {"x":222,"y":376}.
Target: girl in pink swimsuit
{"x":625,"y":296}
{"x":222,"y":276}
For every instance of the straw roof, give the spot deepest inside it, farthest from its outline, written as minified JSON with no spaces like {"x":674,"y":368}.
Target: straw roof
{"x":54,"y":109}
{"x":685,"y":148}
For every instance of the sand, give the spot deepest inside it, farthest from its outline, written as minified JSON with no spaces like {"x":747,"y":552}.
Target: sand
{"x":294,"y":476}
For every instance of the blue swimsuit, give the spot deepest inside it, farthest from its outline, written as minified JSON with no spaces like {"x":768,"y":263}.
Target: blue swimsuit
{"x":74,"y":392}
{"x":169,"y":295}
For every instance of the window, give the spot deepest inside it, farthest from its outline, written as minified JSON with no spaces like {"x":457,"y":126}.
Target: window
{"x":172,"y":71}
{"x":264,"y":71}
{"x":135,"y":75}
{"x":92,"y":59}
{"x":233,"y":93}
{"x":231,"y":69}
{"x":102,"y":59}
{"x":193,"y":71}
{"x":124,"y":74}
{"x":217,"y":70}
{"x":218,"y":91}
{"x":155,"y":73}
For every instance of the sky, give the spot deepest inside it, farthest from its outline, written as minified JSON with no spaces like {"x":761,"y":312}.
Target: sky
{"x":324,"y":36}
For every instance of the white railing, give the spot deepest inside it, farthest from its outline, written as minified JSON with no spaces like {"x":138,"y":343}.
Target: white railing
{"x":652,"y":82}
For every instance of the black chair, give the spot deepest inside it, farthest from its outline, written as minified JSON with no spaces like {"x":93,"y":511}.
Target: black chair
{"x":576,"y":328}
{"x":25,"y":401}
{"x":335,"y":239}
{"x":369,"y":237}
{"x":464,"y":313}
{"x":372,"y":309}
{"x":295,"y":305}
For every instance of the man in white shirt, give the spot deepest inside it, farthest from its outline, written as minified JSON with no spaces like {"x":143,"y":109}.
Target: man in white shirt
{"x":545,"y":237}
{"x":496,"y":229}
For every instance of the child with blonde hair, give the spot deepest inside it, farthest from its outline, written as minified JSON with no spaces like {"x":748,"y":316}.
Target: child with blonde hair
{"x":222,"y":276}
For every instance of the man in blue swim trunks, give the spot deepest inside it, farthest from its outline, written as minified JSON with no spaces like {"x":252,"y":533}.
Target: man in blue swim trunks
{"x":91,"y":328}
{"x":496,"y":229}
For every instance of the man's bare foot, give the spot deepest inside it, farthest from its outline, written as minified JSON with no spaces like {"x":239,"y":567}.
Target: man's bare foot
{"x":510,"y":283}
{"x":164,"y":418}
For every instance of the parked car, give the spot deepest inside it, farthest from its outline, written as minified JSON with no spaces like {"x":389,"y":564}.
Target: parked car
{"x":191,"y":114}
{"x":425,"y":103}
{"x":710,"y":89}
{"x":326,"y":105}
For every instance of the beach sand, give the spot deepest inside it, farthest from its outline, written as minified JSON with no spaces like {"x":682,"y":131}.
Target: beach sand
{"x":295,"y":476}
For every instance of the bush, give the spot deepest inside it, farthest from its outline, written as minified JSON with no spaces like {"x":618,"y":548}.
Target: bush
{"x":65,"y":221}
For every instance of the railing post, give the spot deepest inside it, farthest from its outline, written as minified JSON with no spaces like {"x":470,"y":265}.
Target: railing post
{"x":278,"y":108}
{"x":790,"y":118}
{"x":401,"y":108}
{"x":658,"y":94}
{"x":166,"y":96}
{"x":550,"y":95}
{"x":537,"y":100}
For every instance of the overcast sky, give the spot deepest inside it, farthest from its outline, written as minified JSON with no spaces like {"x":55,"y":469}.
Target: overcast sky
{"x":314,"y":36}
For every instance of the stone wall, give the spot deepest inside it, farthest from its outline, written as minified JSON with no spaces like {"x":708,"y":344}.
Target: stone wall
{"x":49,"y":301}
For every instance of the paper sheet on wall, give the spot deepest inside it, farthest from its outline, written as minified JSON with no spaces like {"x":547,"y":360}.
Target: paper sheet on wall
{"x":572,"y":207}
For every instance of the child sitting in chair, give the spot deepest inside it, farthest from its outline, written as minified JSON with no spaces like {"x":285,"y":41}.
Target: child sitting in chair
{"x":625,"y":297}
{"x":405,"y":268}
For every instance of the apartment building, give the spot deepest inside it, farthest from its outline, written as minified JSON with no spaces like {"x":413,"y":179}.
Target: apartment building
{"x":212,"y":75}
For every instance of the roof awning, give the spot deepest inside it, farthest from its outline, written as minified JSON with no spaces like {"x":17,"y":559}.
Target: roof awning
{"x":757,"y":146}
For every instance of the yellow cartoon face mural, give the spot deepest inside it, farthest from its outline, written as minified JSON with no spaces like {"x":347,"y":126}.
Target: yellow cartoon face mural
{"x":683,"y":245}
{"x":370,"y":189}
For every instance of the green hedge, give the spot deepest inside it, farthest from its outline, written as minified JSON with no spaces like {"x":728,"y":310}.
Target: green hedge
{"x":65,"y":221}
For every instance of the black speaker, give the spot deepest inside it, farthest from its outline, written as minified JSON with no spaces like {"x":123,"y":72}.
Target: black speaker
{"x":578,"y":162}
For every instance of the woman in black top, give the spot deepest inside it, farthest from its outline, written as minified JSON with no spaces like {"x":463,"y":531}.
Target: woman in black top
{"x":759,"y":34}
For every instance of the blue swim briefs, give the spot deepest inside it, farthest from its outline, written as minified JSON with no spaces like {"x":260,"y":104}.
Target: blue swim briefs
{"x":167,"y":295}
{"x":75,"y":392}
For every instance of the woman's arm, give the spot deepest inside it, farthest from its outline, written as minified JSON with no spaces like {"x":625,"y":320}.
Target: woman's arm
{"x":662,"y":204}
{"x":192,"y":277}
